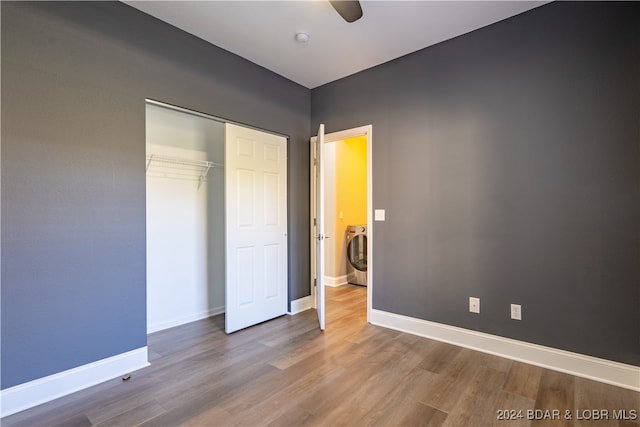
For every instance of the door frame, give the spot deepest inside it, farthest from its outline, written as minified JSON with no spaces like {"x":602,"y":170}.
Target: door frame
{"x":366,"y":131}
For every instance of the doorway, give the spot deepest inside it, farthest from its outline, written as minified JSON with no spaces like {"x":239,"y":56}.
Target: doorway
{"x":345,"y":211}
{"x":333,"y":235}
{"x":184,"y":217}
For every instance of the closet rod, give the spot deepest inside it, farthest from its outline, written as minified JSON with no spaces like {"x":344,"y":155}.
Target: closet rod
{"x":202,"y":165}
{"x":182,"y":162}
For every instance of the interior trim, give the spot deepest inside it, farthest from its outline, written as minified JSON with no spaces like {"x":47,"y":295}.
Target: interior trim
{"x":301,"y":304}
{"x":335,"y":281}
{"x":42,"y":390}
{"x":177,"y":321}
{"x":580,"y":365}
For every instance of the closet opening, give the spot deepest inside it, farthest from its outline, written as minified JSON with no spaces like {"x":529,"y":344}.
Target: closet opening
{"x":216,"y":220}
{"x":185,"y":216}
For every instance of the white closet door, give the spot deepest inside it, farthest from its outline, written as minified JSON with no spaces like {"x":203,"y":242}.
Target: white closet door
{"x":256,"y":226}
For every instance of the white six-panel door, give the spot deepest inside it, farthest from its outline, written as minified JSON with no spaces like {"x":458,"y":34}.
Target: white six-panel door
{"x":256,"y":226}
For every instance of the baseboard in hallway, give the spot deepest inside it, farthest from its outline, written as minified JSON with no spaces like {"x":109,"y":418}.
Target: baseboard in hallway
{"x":335,"y":281}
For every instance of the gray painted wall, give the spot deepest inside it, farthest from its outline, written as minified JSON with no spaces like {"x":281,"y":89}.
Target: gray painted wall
{"x":516,"y":147}
{"x":74,"y":81}
{"x":508,"y":161}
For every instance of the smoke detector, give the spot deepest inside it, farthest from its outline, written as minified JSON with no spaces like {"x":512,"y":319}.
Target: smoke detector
{"x":301,"y":37}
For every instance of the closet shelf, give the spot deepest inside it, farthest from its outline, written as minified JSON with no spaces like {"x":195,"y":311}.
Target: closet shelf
{"x":182,"y":168}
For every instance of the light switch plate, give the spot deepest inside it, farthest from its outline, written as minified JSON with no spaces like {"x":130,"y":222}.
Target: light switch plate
{"x":474,"y":305}
{"x":379,"y":215}
{"x":516,"y":311}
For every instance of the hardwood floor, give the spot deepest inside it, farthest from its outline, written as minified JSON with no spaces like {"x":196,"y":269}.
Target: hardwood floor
{"x":286,"y":372}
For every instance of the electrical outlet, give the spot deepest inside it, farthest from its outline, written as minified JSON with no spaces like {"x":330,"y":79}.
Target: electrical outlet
{"x":516,"y":312}
{"x":474,"y":305}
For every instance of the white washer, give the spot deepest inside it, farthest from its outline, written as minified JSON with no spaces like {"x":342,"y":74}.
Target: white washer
{"x":357,"y":254}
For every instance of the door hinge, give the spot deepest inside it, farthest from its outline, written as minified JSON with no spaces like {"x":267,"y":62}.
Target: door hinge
{"x":315,"y":221}
{"x":315,"y":282}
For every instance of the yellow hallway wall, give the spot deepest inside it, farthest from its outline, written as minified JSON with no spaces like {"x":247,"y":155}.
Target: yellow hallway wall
{"x":351,"y":192}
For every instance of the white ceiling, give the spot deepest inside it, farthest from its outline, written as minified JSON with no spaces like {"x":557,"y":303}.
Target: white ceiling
{"x":263,"y":31}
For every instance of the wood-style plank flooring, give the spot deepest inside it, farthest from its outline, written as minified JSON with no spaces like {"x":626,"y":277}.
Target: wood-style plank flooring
{"x":286,"y":372}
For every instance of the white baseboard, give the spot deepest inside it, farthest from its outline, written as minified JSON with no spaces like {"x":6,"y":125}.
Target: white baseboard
{"x":335,"y":281}
{"x":177,"y":321}
{"x":301,"y":304}
{"x":36,"y":392}
{"x":606,"y":371}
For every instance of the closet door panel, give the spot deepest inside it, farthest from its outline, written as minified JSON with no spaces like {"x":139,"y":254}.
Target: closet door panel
{"x":256,"y":201}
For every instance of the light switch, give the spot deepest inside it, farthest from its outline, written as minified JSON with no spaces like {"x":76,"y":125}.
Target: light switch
{"x":474,"y":304}
{"x":379,"y":215}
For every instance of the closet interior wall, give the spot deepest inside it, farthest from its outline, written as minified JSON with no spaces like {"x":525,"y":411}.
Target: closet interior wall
{"x":185,"y":217}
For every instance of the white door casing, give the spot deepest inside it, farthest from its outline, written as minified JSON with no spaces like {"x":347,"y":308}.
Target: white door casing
{"x":256,"y":226}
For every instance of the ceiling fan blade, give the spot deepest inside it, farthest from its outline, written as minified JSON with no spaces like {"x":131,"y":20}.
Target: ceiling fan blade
{"x":349,"y":10}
